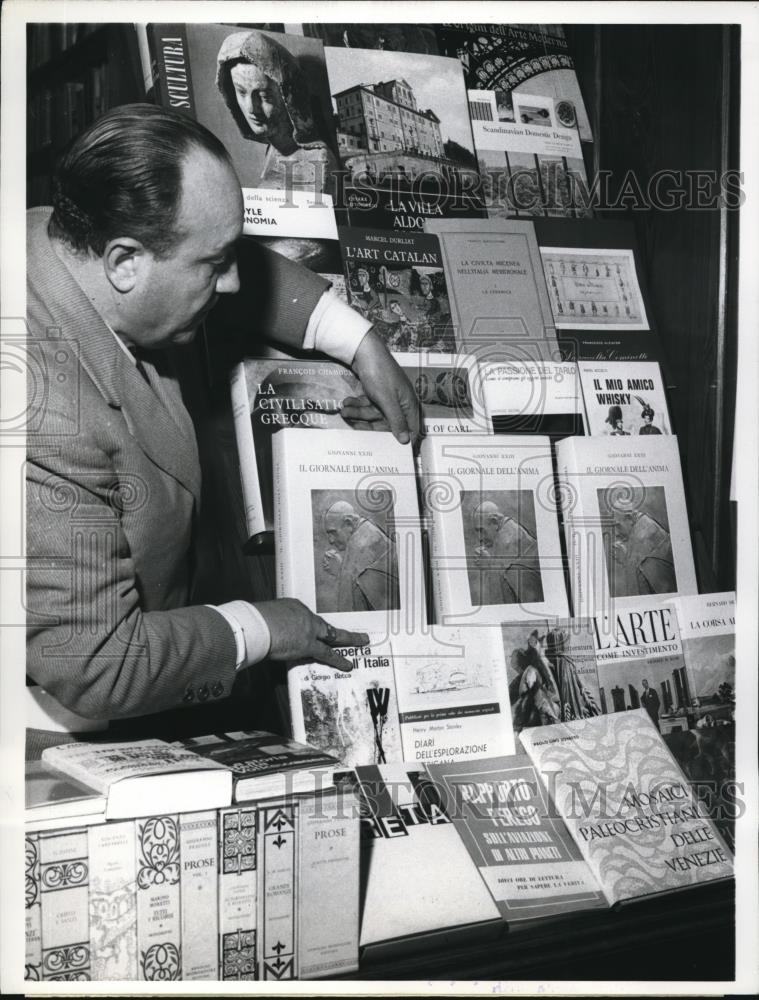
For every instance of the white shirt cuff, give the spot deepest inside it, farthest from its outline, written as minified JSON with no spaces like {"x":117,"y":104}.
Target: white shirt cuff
{"x":252,"y":636}
{"x":335,"y":329}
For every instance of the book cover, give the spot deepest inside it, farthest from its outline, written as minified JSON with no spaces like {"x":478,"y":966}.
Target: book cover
{"x":265,"y":763}
{"x":639,"y":654}
{"x":238,"y":893}
{"x":452,"y":695}
{"x":499,"y":303}
{"x":521,"y":848}
{"x":139,"y":777}
{"x":529,"y":155}
{"x":449,"y":390}
{"x":51,"y":795}
{"x":64,"y":913}
{"x":628,"y":805}
{"x":353,"y":716}
{"x":511,"y":58}
{"x":198,"y":885}
{"x":551,"y":671}
{"x":265,"y":96}
{"x":624,"y":398}
{"x":32,"y":906}
{"x":113,"y":901}
{"x":533,"y":397}
{"x":159,"y":931}
{"x":268,"y":395}
{"x":595,"y":275}
{"x":494,"y":537}
{"x":625,"y":520}
{"x":277,"y":891}
{"x":328,"y":885}
{"x":417,"y":876}
{"x":396,"y":280}
{"x":347,"y":533}
{"x":404,"y":138}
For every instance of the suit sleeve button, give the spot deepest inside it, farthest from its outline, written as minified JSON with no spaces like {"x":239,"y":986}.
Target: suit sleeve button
{"x":188,"y":696}
{"x":203,"y":693}
{"x":217,"y":690}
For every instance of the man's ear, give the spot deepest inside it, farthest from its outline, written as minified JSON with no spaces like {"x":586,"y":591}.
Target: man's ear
{"x":124,"y":259}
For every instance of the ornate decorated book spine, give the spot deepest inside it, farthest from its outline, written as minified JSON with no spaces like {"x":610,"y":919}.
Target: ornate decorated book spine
{"x":237,"y":893}
{"x":198,"y":891}
{"x":64,"y":891}
{"x":33,"y":929}
{"x":277,"y":838}
{"x":159,"y":947}
{"x":112,"y":901}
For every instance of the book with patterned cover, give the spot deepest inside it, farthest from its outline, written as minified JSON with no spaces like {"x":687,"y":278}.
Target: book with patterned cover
{"x":628,"y":806}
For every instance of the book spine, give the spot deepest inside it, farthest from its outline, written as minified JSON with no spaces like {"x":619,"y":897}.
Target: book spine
{"x":64,"y":891}
{"x":277,"y":832}
{"x":285,"y":573}
{"x":32,"y":920}
{"x":170,"y":67}
{"x":328,"y":886}
{"x":198,"y":892}
{"x":571,"y":516}
{"x":246,"y":451}
{"x":237,"y":893}
{"x":430,"y":490}
{"x":112,"y":901}
{"x":159,"y":948}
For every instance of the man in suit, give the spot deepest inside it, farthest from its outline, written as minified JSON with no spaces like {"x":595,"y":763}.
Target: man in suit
{"x":649,"y":699}
{"x":140,"y":245}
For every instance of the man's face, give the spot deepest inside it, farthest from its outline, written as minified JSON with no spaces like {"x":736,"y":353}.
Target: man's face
{"x":623,"y":522}
{"x":339,"y":529}
{"x":486,"y":528}
{"x":645,"y":685}
{"x":174,"y":294}
{"x":259,"y":99}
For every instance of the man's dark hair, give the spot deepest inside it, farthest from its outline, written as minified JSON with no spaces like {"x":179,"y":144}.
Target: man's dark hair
{"x":122,"y":177}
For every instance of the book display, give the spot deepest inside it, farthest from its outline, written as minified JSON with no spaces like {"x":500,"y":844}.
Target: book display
{"x":530,"y":742}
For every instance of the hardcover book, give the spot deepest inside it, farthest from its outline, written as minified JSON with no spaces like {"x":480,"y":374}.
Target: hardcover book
{"x":522,"y":849}
{"x":238,"y":893}
{"x":418,"y":880}
{"x":328,"y":885}
{"x":404,"y":138}
{"x":440,"y":695}
{"x":625,"y":521}
{"x":278,"y":827}
{"x":139,"y":777}
{"x":499,"y":303}
{"x":113,"y":901}
{"x":347,"y":532}
{"x":52,"y":796}
{"x":707,"y":632}
{"x":624,"y":398}
{"x":396,"y":280}
{"x":64,"y":910}
{"x":159,"y":928}
{"x":628,"y":806}
{"x":282,"y":145}
{"x":32,"y":909}
{"x":268,"y":395}
{"x":198,"y":888}
{"x":494,"y":536}
{"x":551,"y":671}
{"x":512,"y":58}
{"x":265,"y":765}
{"x":533,"y":397}
{"x":385,"y":37}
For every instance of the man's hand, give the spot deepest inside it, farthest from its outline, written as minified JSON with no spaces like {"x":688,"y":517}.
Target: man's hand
{"x":298,"y":634}
{"x":389,"y":400}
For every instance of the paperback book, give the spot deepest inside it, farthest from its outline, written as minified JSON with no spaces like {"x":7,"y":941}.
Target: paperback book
{"x":404,"y":137}
{"x":628,"y":806}
{"x":499,"y":303}
{"x":54,"y":798}
{"x":268,"y":395}
{"x":625,"y":521}
{"x":533,"y":397}
{"x":385,"y":37}
{"x":439,"y":695}
{"x":495,"y":553}
{"x":521,"y":847}
{"x":396,"y":280}
{"x":449,"y":390}
{"x":347,"y":528}
{"x":624,"y":398}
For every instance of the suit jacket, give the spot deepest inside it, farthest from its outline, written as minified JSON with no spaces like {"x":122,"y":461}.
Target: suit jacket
{"x":113,"y":491}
